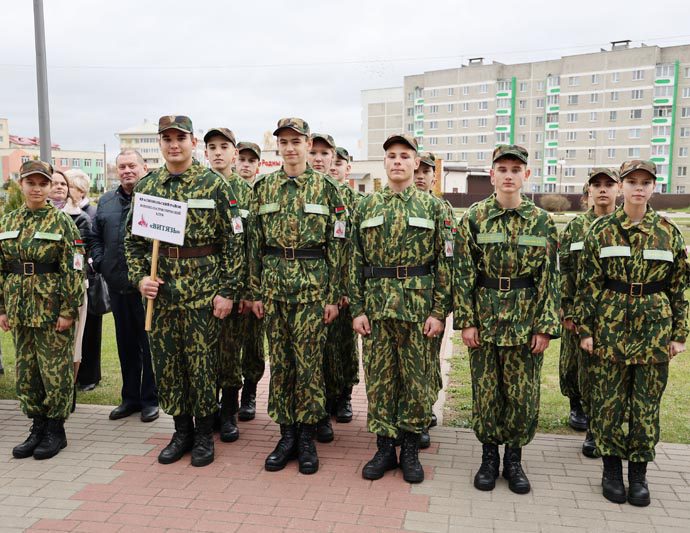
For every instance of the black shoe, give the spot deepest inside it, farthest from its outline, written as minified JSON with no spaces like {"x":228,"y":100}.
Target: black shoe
{"x":285,"y":450}
{"x":324,"y":430}
{"x":638,"y":491}
{"x":182,"y":440}
{"x":54,"y":439}
{"x":247,"y":409}
{"x":88,"y":387}
{"x":577,"y":418}
{"x":409,"y":458}
{"x":343,"y":408}
{"x":228,"y":409}
{"x":434,"y":420}
{"x":26,"y":448}
{"x":149,"y":413}
{"x":589,"y":448}
{"x":485,"y":478}
{"x":612,"y":480}
{"x":123,"y":411}
{"x":424,"y":439}
{"x":384,"y":459}
{"x":513,"y":472}
{"x":74,"y":400}
{"x":202,"y":452}
{"x":306,"y":450}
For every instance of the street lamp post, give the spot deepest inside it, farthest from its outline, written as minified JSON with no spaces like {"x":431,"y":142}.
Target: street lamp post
{"x":42,"y":82}
{"x":561,"y":162}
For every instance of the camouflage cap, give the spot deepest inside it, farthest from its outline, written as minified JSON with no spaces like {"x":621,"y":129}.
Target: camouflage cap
{"x":175,"y":122}
{"x":254,"y":148}
{"x":428,"y":159}
{"x":325,"y":138}
{"x":596,"y":171}
{"x":296,"y":124}
{"x":36,"y":167}
{"x":223,"y":132}
{"x":637,"y":164}
{"x":341,"y":153}
{"x":401,"y":138}
{"x":510,"y":150}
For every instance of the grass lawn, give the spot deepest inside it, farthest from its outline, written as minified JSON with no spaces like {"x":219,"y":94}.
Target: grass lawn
{"x":553,"y":416}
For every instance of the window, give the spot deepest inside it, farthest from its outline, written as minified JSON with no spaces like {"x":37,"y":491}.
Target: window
{"x":680,"y":189}
{"x":433,"y":92}
{"x":686,"y":92}
{"x":549,"y":187}
{"x":483,"y":88}
{"x":451,"y":91}
{"x":633,"y":152}
{"x":450,"y":108}
{"x":572,"y":99}
{"x":464,"y":139}
{"x":522,"y":104}
{"x":64,"y":162}
{"x":594,"y":98}
{"x":483,"y":105}
{"x":663,"y":111}
{"x":552,"y":99}
{"x":450,"y":124}
{"x":410,"y":96}
{"x":615,"y":77}
{"x":634,"y":133}
{"x":664,"y":70}
{"x":410,"y":127}
{"x":571,"y":136}
{"x":25,"y":159}
{"x":503,"y":102}
{"x":552,"y":135}
{"x":637,"y":94}
{"x":573,"y":81}
{"x":569,"y":172}
{"x":593,"y":116}
{"x":466,"y":106}
{"x":685,"y":112}
{"x":481,"y":139}
{"x":433,"y":125}
{"x":595,"y":79}
{"x":686,"y":70}
{"x":537,"y":155}
{"x":660,"y":149}
{"x":685,"y":132}
{"x":465,"y":123}
{"x":540,"y":103}
{"x":538,"y":137}
{"x":433,"y":140}
{"x":635,"y":114}
{"x":449,"y":156}
{"x":539,"y":120}
{"x":75,"y":162}
{"x":661,"y":131}
{"x":481,"y":156}
{"x":465,"y":91}
{"x":419,"y":109}
{"x":433,"y":109}
{"x":87,"y":162}
{"x":522,"y":138}
{"x":502,"y":120}
{"x":463,"y":156}
{"x":450,"y":140}
{"x":482,"y":122}
{"x":523,"y":86}
{"x":683,"y":151}
{"x":590,"y":154}
{"x":410,"y":111}
{"x":572,"y":117}
{"x":637,"y":75}
{"x":683,"y":171}
{"x":570,"y":154}
{"x":522,"y":121}
{"x":503,"y":85}
{"x":662,"y":90}
{"x":613,"y":97}
{"x":612,"y":135}
{"x":611,"y":153}
{"x":540,"y":84}
{"x":592,"y":135}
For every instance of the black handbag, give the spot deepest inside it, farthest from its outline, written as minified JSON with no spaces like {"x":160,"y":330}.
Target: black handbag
{"x":98,"y":298}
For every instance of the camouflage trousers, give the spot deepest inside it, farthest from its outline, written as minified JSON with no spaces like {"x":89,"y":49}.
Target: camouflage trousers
{"x":505,"y":393}
{"x":253,"y":359}
{"x":45,"y":372}
{"x":573,"y":370}
{"x":340,"y":357}
{"x":398,"y":375}
{"x":184,"y":351}
{"x":437,"y":385}
{"x":232,"y":337}
{"x":626,"y":393}
{"x":296,"y":338}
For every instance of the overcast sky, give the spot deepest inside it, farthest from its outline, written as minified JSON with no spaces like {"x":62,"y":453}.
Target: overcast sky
{"x":243,"y":65}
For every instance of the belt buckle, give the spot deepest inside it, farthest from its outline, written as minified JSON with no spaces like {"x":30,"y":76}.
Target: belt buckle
{"x":289,"y":253}
{"x":174,"y":252}
{"x":503,"y":284}
{"x":28,"y":269}
{"x":401,"y":272}
{"x":634,"y":289}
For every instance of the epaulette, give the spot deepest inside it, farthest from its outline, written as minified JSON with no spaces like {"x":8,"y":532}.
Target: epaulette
{"x":330,"y":180}
{"x":668,"y":219}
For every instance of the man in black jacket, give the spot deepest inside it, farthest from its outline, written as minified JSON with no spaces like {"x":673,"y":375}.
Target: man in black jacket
{"x":108,"y":254}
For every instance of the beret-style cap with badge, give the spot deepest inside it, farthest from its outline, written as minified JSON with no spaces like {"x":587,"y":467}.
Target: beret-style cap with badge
{"x":510,"y":150}
{"x":401,"y":138}
{"x":223,"y":132}
{"x":175,"y":122}
{"x":251,"y":147}
{"x":637,"y":164}
{"x":597,"y":171}
{"x":36,"y":167}
{"x":296,"y":124}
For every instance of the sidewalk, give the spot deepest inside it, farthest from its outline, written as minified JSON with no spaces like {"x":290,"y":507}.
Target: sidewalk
{"x":108,"y":479}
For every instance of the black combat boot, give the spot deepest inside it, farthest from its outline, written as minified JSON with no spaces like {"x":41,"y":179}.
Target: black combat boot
{"x":228,"y":409}
{"x":485,"y":478}
{"x":306,"y":450}
{"x":589,"y":448}
{"x":638,"y":491}
{"x":513,"y":472}
{"x":424,"y":439}
{"x":409,"y":458}
{"x":202,"y":452}
{"x":182,"y":440}
{"x":577,"y":418}
{"x":285,"y":450}
{"x":74,"y":400}
{"x":248,"y":402}
{"x":343,"y":410}
{"x":324,"y":429}
{"x":612,"y":480}
{"x":434,"y":420}
{"x":384,"y":459}
{"x":54,"y":439}
{"x":26,"y":448}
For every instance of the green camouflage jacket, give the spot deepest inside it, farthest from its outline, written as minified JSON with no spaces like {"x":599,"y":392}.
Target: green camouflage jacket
{"x":45,"y":235}
{"x":302,"y":212}
{"x":211,"y":207}
{"x":391,"y":229}
{"x":514,"y":243}
{"x":633,"y":329}
{"x":569,"y":253}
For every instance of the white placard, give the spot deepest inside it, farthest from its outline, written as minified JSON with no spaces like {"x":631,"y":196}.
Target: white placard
{"x":159,"y":218}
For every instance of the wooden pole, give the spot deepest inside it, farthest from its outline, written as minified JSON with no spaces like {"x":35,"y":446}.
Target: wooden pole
{"x":154,"y":273}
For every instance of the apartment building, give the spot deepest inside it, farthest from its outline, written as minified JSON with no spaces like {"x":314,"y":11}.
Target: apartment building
{"x":572,"y":113}
{"x":382,"y":115}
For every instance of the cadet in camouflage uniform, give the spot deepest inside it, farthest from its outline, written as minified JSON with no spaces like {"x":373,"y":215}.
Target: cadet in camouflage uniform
{"x":298,"y":227}
{"x":42,"y":277}
{"x":253,"y":359}
{"x":602,"y":188}
{"x":424,"y":180}
{"x":400,"y":276}
{"x":506,"y":301}
{"x":195,"y":289}
{"x":632,"y":318}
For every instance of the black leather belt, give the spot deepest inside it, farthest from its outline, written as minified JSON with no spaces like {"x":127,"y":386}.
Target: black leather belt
{"x":291,"y":253}
{"x":635,"y":289}
{"x":398,"y":272}
{"x":29,"y":269}
{"x":504,"y":284}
